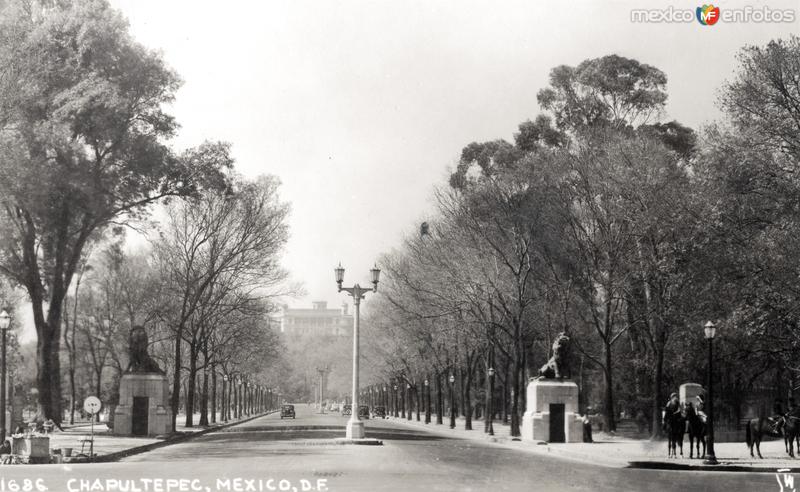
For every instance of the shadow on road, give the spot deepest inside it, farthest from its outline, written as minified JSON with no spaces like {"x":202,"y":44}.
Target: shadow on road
{"x":314,"y":432}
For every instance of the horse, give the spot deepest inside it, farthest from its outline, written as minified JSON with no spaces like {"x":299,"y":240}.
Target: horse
{"x":697,"y":431}
{"x":791,"y":430}
{"x":756,"y":428}
{"x":675,"y":426}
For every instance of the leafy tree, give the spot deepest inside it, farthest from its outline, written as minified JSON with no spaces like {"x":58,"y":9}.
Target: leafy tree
{"x":609,"y":91}
{"x":81,"y":147}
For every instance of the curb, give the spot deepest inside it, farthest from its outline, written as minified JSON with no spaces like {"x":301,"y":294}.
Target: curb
{"x":118,"y":455}
{"x":662,"y":465}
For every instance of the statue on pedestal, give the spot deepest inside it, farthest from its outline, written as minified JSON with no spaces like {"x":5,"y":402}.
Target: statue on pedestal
{"x":557,"y":367}
{"x":140,"y":360}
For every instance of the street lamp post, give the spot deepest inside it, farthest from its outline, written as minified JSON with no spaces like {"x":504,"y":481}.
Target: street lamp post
{"x":5,"y":322}
{"x":452,"y":404}
{"x":355,"y":427}
{"x":427,"y":402}
{"x":224,"y":399}
{"x":490,"y":402}
{"x":396,"y":409}
{"x":710,"y":330}
{"x":417,"y":401}
{"x":408,"y":401}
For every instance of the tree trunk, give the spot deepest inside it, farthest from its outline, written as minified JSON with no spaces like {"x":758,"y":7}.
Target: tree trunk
{"x":439,"y":399}
{"x":98,"y":389}
{"x":213,"y":394}
{"x":609,"y":390}
{"x":658,"y":377}
{"x":468,"y":399}
{"x":190,"y":388}
{"x":72,"y":391}
{"x":176,"y":378}
{"x":48,"y":374}
{"x":204,"y":400}
{"x":515,"y":383}
{"x":462,"y":392}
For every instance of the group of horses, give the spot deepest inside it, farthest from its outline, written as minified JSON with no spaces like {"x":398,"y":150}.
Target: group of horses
{"x":685,"y":420}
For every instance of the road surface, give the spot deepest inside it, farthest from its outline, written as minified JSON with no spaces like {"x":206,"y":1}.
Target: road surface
{"x":300,"y":455}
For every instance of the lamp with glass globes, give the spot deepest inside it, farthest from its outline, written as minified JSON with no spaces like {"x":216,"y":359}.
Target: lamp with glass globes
{"x":355,"y":427}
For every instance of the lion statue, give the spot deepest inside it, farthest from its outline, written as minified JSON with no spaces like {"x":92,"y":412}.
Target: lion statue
{"x":140,"y":360}
{"x":556,"y":367}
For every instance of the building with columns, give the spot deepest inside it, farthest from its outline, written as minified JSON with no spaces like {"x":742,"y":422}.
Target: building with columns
{"x":317,"y":321}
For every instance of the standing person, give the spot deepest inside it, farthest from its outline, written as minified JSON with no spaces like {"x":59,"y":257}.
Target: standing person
{"x":672,"y":407}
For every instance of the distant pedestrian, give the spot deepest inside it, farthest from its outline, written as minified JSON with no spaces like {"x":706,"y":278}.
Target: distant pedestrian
{"x":641,"y":421}
{"x":587,"y":429}
{"x":6,"y":447}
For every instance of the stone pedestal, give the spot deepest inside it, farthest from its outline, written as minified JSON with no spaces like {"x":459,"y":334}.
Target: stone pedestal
{"x":354,"y":429}
{"x":689,"y":392}
{"x":155,"y":409}
{"x":552,"y":400}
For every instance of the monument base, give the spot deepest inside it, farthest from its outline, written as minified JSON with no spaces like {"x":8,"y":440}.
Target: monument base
{"x":142,"y":409}
{"x":354,"y":430}
{"x":689,"y":392}
{"x":552,"y":412}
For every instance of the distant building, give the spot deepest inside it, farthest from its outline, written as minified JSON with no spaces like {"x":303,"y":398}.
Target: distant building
{"x":317,"y":321}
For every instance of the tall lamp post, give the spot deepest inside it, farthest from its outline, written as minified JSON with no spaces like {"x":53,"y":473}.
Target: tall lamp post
{"x":710,"y":329}
{"x":5,"y":322}
{"x":490,"y":402}
{"x":355,"y":427}
{"x":452,"y":404}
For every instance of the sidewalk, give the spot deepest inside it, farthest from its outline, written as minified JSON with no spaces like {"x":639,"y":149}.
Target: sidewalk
{"x":612,"y":451}
{"x":110,"y":447}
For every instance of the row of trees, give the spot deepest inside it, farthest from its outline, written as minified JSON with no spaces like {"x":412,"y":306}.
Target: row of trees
{"x":622,"y":230}
{"x":204,"y":289}
{"x":84,"y":153}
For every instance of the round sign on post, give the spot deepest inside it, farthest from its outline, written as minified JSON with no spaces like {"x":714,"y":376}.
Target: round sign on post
{"x":92,"y":405}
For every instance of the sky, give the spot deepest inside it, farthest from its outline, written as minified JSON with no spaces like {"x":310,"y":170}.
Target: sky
{"x":362,"y":107}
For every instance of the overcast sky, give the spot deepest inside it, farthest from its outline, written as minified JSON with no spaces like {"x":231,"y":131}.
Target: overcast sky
{"x":360,"y":107}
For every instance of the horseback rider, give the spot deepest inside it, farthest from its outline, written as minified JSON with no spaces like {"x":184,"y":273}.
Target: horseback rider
{"x":777,"y":419}
{"x":701,"y":404}
{"x":672,"y":407}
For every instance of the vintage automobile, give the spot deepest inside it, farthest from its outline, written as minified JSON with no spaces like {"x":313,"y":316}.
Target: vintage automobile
{"x":378,"y":412}
{"x":347,"y":409}
{"x":363,"y":412}
{"x":287,"y":411}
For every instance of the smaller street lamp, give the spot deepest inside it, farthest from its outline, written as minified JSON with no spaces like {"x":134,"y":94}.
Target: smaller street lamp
{"x":408,"y":401}
{"x":490,"y":401}
{"x":5,"y":323}
{"x":225,"y":387}
{"x":427,"y":401}
{"x":710,"y":330}
{"x":452,"y":405}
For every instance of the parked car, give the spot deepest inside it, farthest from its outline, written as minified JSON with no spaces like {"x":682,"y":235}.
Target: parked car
{"x":363,"y":412}
{"x":347,"y":409}
{"x":378,"y":412}
{"x":287,"y":411}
